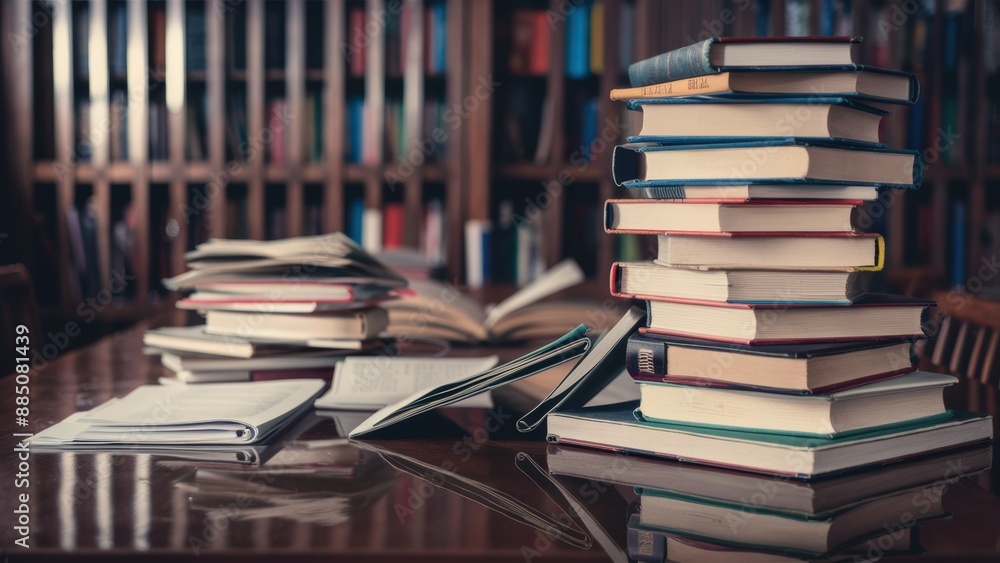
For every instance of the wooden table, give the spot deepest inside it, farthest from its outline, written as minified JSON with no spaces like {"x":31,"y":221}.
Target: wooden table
{"x":111,"y":506}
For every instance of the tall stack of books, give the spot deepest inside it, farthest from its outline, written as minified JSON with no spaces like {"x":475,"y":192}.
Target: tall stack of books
{"x":762,"y":348}
{"x":278,"y":309}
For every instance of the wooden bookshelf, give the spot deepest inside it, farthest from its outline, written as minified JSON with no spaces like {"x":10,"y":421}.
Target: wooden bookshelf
{"x":241,"y":74}
{"x":185,"y":194}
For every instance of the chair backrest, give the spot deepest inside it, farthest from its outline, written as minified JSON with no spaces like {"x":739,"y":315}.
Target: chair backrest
{"x":17,"y":307}
{"x":967,"y":345}
{"x":967,"y":342}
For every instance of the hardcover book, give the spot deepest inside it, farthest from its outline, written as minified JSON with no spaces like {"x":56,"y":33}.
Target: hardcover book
{"x":648,"y":280}
{"x":614,"y":428}
{"x":873,"y":317}
{"x":803,"y":369}
{"x":717,"y":54}
{"x":775,"y":161}
{"x":901,"y":400}
{"x":644,"y":216}
{"x":700,"y":119}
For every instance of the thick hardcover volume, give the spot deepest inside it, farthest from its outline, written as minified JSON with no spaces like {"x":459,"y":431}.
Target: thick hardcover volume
{"x":678,"y":64}
{"x":694,"y":60}
{"x":628,"y":165}
{"x":637,"y":105}
{"x":646,"y":358}
{"x":646,"y":361}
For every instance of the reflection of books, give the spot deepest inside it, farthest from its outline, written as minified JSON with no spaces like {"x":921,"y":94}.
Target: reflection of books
{"x":443,"y":472}
{"x":321,"y":482}
{"x":429,"y":309}
{"x":760,"y":529}
{"x":783,"y":494}
{"x":653,"y":545}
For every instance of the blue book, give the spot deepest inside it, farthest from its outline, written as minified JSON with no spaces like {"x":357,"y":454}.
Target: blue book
{"x":719,"y":54}
{"x":774,"y":161}
{"x":355,"y":127}
{"x":441,"y":37}
{"x":711,"y":119}
{"x":355,"y":219}
{"x":578,"y":41}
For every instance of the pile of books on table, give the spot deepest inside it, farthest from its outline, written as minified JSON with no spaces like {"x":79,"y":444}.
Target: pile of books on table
{"x":762,"y":348}
{"x":281,"y":309}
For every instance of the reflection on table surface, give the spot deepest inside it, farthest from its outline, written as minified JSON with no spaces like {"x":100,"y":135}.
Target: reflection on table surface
{"x":464,"y":495}
{"x":453,"y":491}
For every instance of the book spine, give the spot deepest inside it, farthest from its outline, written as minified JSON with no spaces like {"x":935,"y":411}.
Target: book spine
{"x":686,"y":62}
{"x":715,"y":84}
{"x":646,"y":358}
{"x":625,"y":163}
{"x":645,"y":545}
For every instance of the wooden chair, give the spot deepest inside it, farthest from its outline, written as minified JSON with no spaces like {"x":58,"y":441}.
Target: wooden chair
{"x":967,"y":344}
{"x":17,"y":306}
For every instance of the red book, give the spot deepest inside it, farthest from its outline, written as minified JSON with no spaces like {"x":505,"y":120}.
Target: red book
{"x":276,"y":116}
{"x":392,"y":225}
{"x":541,"y":36}
{"x":356,"y":39}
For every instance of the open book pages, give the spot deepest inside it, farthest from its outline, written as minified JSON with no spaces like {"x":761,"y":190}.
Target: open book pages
{"x":588,"y":378}
{"x":332,"y":255}
{"x":203,"y":415}
{"x":569,"y":346}
{"x":370,"y":383}
{"x":430,"y":309}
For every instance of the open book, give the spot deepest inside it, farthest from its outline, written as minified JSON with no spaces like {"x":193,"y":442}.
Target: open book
{"x":590,"y":375}
{"x":330,"y":256}
{"x":430,"y":309}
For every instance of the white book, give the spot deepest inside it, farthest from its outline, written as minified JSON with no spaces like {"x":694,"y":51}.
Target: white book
{"x":370,"y":383}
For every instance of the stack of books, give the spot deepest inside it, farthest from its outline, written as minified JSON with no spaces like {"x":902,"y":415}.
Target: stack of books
{"x":762,"y":348}
{"x":277,"y":309}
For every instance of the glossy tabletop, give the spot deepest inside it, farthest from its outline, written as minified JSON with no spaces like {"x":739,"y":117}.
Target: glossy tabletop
{"x":464,"y":486}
